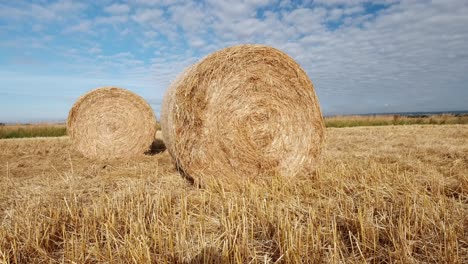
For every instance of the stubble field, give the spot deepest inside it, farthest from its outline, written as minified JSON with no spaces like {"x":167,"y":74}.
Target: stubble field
{"x":395,"y":194}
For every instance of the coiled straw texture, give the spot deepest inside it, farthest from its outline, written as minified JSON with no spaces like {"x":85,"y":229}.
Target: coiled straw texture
{"x":244,"y":111}
{"x":111,"y":122}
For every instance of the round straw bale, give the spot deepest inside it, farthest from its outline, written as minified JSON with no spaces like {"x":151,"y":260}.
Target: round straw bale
{"x":247,"y":110}
{"x":111,"y":122}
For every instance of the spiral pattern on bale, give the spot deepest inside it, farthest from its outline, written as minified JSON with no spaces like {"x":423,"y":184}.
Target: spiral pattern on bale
{"x":111,"y":122}
{"x":244,"y":111}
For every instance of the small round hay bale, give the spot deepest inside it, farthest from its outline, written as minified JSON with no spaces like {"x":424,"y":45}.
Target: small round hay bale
{"x":111,"y":122}
{"x":247,"y":110}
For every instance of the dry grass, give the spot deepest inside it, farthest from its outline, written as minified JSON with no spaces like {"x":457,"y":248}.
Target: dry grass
{"x":381,"y":194}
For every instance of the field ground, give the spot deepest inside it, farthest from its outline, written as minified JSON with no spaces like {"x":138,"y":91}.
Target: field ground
{"x":57,"y":130}
{"x":394,"y":194}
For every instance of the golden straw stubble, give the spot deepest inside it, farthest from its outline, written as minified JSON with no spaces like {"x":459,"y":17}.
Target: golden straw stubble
{"x":111,"y":122}
{"x":244,"y":111}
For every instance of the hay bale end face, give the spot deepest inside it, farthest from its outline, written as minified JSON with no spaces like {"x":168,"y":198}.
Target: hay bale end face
{"x":111,"y":122}
{"x":247,"y":110}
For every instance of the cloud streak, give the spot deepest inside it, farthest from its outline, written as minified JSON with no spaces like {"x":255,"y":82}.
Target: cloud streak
{"x":363,"y":56}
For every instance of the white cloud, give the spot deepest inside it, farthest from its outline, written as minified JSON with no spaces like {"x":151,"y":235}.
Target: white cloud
{"x":157,"y":2}
{"x":352,"y":2}
{"x":226,"y":10}
{"x":117,"y":9}
{"x":38,"y":15}
{"x":83,"y":27}
{"x":400,"y":57}
{"x":146,"y":17}
{"x":56,"y":10}
{"x":155,"y":19}
{"x":124,"y":32}
{"x":410,"y":55}
{"x":190,"y":16}
{"x":353,"y":10}
{"x":95,"y":50}
{"x":335,"y":14}
{"x":112,"y":20}
{"x":306,"y":20}
{"x":196,"y":42}
{"x":150,"y":34}
{"x":9,"y":12}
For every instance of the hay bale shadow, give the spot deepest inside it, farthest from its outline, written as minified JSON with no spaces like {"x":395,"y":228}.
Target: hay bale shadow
{"x":185,"y":175}
{"x":156,"y":147}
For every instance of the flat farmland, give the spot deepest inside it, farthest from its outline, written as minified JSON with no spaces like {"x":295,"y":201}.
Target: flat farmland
{"x":395,"y":194}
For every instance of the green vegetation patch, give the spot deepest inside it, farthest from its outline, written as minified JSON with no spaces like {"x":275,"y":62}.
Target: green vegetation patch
{"x":395,"y":120}
{"x":28,"y":131}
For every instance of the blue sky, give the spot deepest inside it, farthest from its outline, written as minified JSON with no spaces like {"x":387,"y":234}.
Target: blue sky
{"x":362,"y":56}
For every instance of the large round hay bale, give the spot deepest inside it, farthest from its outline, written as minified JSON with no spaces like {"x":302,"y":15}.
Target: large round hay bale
{"x":247,"y":110}
{"x":111,"y":122}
